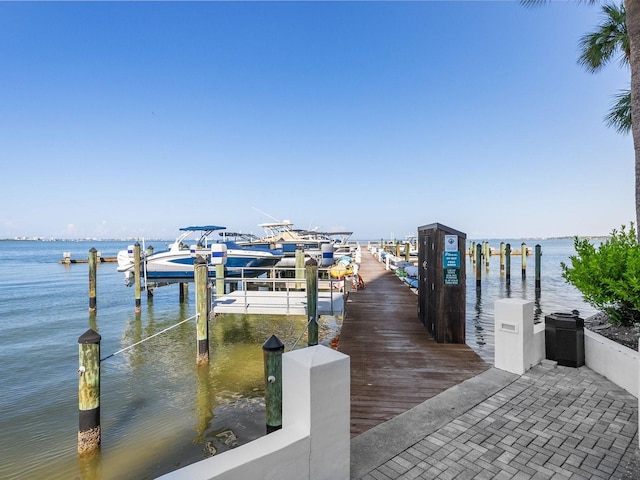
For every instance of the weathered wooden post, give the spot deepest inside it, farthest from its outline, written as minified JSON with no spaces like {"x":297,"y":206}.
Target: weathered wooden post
{"x":136,"y":274}
{"x":478,"y":265}
{"x":183,"y":291}
{"x":299,"y":266}
{"x":311,"y":272}
{"x":472,"y":252}
{"x":487,"y":253}
{"x":201,"y":275}
{"x":272,"y":352}
{"x":407,"y":251}
{"x":93,"y":256}
{"x":523,"y":254}
{"x":146,"y":287}
{"x":538,"y":259}
{"x":89,"y":433}
{"x":502,"y":252}
{"x":219,"y":281}
{"x":397,"y":249}
{"x":507,"y":254}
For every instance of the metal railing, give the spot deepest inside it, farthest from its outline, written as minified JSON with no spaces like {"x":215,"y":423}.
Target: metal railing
{"x":281,"y":281}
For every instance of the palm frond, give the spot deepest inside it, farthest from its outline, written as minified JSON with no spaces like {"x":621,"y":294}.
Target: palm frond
{"x":619,"y":116}
{"x":599,"y":48}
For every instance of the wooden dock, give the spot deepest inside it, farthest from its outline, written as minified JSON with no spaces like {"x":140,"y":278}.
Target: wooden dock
{"x":69,"y":261}
{"x":395,"y":363}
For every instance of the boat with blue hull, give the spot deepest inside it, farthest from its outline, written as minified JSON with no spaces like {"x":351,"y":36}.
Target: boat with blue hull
{"x":175,"y":264}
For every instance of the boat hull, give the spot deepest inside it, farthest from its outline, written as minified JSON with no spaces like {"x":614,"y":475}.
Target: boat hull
{"x":168,"y":267}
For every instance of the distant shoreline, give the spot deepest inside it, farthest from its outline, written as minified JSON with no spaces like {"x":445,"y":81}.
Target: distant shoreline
{"x":43,"y":239}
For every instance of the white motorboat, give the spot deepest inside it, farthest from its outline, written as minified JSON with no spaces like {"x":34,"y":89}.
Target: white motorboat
{"x":175,"y":264}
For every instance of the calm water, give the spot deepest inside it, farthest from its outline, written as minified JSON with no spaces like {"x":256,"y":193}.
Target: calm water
{"x":158,"y":411}
{"x":555,"y":294}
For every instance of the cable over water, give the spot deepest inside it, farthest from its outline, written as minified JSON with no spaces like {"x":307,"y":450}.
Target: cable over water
{"x":148,"y":338}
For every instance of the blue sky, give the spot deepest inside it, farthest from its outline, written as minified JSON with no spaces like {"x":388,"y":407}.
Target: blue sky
{"x":122,"y":119}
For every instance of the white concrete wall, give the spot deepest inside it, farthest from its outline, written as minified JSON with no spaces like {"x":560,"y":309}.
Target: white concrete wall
{"x":538,"y":343}
{"x":314,"y":442}
{"x":619,"y":364}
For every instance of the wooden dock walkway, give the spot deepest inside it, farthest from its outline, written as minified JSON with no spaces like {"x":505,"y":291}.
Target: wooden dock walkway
{"x":395,"y":363}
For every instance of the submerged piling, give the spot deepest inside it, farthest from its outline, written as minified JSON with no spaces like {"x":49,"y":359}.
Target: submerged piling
{"x":272,"y":350}
{"x":93,"y":261}
{"x":89,"y":432}
{"x":523,"y":253}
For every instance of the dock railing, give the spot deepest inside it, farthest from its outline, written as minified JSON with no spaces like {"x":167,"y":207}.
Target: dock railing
{"x":277,"y":291}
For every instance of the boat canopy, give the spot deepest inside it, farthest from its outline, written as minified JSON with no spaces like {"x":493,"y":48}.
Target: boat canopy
{"x":209,"y":228}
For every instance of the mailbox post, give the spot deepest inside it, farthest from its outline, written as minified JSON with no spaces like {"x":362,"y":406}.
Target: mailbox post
{"x":442,"y":285}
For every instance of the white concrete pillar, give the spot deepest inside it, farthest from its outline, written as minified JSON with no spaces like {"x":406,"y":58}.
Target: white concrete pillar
{"x":514,"y":344}
{"x":317,"y":392}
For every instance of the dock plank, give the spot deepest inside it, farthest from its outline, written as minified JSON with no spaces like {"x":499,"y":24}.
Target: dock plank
{"x":395,"y":363}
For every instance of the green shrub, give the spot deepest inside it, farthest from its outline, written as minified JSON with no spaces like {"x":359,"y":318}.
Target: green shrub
{"x":609,"y":276}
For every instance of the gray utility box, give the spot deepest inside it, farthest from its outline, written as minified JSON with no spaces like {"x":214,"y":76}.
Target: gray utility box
{"x":564,"y":339}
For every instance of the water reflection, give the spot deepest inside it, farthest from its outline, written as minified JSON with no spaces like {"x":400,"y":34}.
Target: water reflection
{"x":89,"y":466}
{"x":537,"y":308}
{"x":479,"y":329}
{"x":203,"y":408}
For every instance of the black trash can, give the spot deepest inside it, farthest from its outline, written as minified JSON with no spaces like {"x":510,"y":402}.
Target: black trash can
{"x":564,"y":338}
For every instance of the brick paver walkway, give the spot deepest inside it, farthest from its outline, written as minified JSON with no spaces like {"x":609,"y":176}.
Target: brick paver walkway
{"x":553,"y":422}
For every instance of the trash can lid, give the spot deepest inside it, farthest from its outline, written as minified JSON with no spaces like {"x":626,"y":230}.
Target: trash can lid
{"x":571,"y":323}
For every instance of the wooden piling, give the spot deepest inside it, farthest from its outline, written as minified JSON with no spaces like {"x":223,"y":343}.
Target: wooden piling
{"x":507,"y":254}
{"x":487,"y":253}
{"x":502,"y":254}
{"x":183,"y":291}
{"x":219,"y":280}
{"x":136,"y":275}
{"x":311,"y":273}
{"x":201,"y":276}
{"x":89,"y":431}
{"x":272,"y":351}
{"x":478,"y":265}
{"x":93,"y":263}
{"x":538,"y":265}
{"x":407,"y":251}
{"x":299,"y":266}
{"x":523,"y":254}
